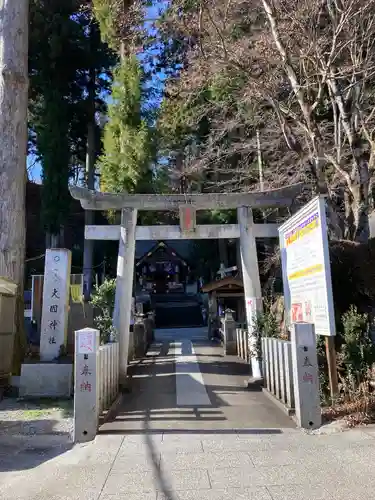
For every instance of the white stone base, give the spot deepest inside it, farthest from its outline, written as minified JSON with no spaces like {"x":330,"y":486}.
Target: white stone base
{"x":46,"y":380}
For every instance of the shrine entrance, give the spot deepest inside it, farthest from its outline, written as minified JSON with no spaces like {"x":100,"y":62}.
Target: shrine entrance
{"x":161,"y":270}
{"x":187,"y":204}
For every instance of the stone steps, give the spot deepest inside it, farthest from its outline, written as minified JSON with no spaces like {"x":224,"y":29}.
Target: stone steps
{"x":183,"y":316}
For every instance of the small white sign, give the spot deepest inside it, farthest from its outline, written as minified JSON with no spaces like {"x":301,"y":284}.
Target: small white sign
{"x":86,"y":343}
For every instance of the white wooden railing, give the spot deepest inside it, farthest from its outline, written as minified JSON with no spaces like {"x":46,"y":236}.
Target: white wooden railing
{"x":242,"y":343}
{"x":108,"y":375}
{"x":278,"y":370}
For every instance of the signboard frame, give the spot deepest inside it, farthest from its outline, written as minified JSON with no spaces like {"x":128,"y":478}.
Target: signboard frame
{"x":297,"y":227}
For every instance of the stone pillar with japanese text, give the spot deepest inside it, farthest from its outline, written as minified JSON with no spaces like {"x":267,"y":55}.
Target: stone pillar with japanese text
{"x":86,"y":394}
{"x":305,"y":376}
{"x":56,"y":290}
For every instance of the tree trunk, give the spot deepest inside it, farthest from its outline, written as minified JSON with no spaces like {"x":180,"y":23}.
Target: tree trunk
{"x":357,"y":214}
{"x":335,"y":224}
{"x":357,"y":202}
{"x":88,"y":251}
{"x":13,"y":149}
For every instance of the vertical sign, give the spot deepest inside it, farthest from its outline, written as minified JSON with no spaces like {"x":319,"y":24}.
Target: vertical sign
{"x":188,"y":219}
{"x":55,"y":303}
{"x":306,"y":268}
{"x":86,"y":394}
{"x":305,"y":376}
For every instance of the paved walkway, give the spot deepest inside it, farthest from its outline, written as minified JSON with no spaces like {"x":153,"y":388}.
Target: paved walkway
{"x":189,"y":430}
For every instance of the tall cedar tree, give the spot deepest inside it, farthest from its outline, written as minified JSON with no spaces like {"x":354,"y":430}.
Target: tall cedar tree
{"x":13,"y":141}
{"x":62,"y":53}
{"x":129,"y":140}
{"x":125,"y":163}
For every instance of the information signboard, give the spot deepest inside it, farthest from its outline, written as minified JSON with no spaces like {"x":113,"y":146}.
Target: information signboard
{"x":306,"y":268}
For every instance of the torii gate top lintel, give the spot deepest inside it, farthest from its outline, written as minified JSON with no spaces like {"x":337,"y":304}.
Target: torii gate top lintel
{"x":95,"y":200}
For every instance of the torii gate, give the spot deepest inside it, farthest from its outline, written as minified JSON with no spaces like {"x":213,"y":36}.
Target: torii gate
{"x":187,"y":204}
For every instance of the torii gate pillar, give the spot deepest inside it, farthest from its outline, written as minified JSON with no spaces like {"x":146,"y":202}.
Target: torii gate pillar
{"x":124,"y":290}
{"x":251,"y":281}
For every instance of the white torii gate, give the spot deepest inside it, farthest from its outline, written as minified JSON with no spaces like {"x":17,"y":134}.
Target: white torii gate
{"x":128,"y":232}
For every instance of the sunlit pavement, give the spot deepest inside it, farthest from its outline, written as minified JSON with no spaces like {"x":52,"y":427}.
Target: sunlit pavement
{"x":191,"y":430}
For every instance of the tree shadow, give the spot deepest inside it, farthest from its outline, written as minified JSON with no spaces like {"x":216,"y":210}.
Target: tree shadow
{"x":27,"y":444}
{"x":161,"y":477}
{"x":151,"y":407}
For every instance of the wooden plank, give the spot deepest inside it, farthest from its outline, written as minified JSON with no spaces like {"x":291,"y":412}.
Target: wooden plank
{"x":282,"y":371}
{"x":206,"y":232}
{"x":277,"y":367}
{"x":332,"y":367}
{"x":268,"y":362}
{"x":271,"y":357}
{"x":289,"y":375}
{"x":93,"y":200}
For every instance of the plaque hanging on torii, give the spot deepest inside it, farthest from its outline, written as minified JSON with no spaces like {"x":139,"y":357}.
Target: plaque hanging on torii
{"x":188,"y":219}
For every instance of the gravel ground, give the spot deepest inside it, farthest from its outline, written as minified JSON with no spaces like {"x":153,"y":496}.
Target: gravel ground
{"x":21,"y":417}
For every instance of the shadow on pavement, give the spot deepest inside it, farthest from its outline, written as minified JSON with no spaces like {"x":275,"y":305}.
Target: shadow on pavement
{"x":151,"y":407}
{"x":29,"y":447}
{"x":164,"y":486}
{"x":150,"y":431}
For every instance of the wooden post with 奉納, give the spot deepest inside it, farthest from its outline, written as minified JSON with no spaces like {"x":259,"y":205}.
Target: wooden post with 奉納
{"x":332,"y":367}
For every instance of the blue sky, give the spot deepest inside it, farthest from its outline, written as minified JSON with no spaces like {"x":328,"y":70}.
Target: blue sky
{"x":34,"y":169}
{"x":157,"y":82}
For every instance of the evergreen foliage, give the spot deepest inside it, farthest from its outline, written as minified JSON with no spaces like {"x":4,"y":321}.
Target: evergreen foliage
{"x":103,"y":300}
{"x":61,"y":54}
{"x":53,"y":35}
{"x":120,"y":21}
{"x":128,"y":142}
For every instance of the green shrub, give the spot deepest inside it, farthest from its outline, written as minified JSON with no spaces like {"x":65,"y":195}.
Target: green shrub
{"x":103,"y":299}
{"x":265,"y":325}
{"x":358,"y":351}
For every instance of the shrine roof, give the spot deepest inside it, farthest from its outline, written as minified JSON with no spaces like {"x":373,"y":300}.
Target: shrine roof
{"x":161,"y":245}
{"x":227,"y":282}
{"x":181,"y":247}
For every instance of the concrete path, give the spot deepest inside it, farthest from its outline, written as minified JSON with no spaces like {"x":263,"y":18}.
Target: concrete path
{"x":189,"y":430}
